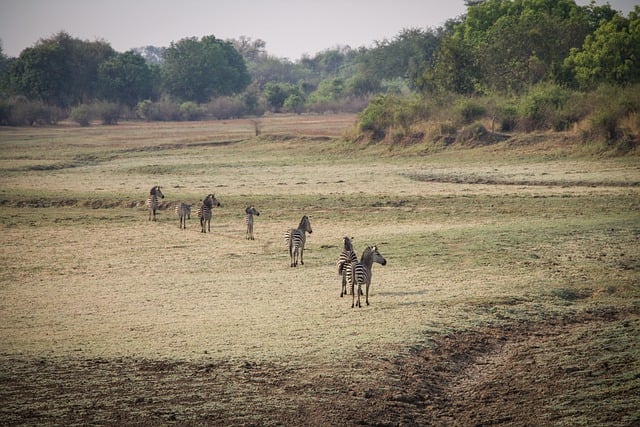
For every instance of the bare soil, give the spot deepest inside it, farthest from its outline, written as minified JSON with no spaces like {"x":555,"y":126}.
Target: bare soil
{"x":496,"y":376}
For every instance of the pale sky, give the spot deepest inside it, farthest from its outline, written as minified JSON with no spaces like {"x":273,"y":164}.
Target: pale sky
{"x":290,"y":28}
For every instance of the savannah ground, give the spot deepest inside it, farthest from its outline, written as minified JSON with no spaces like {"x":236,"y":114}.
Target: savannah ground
{"x":510,"y":295}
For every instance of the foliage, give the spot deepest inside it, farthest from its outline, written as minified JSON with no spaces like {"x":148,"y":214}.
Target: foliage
{"x":81,"y":115}
{"x":191,"y":111}
{"x":108,"y":112}
{"x":125,"y":78}
{"x":198,"y":70}
{"x":59,"y":71}
{"x":611,"y":54}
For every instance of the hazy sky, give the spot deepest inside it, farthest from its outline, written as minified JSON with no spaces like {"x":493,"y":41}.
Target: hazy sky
{"x":290,"y":28}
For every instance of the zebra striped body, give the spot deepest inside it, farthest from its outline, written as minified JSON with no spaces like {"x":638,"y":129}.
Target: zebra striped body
{"x":152,"y":201}
{"x":248,"y":219}
{"x":361,"y":272}
{"x":204,"y":212}
{"x":183,"y":212}
{"x":295,"y":239}
{"x":347,"y":256}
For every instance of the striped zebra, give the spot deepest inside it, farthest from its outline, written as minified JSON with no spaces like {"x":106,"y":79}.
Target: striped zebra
{"x":152,"y":201}
{"x":183,"y":212}
{"x":295,"y":238}
{"x":248,"y":219}
{"x":204,"y":212}
{"x":347,"y":256}
{"x":361,"y":272}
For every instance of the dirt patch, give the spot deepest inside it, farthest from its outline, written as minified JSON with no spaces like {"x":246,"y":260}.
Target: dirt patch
{"x":484,"y":377}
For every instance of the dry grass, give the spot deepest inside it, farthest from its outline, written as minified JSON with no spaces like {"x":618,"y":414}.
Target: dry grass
{"x":474,"y":240}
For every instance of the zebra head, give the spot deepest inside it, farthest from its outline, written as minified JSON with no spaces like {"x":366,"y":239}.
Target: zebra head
{"x":348,"y":246}
{"x":251,"y":210}
{"x":305,"y":225}
{"x":211,"y":200}
{"x":156,"y":191}
{"x":371,"y":255}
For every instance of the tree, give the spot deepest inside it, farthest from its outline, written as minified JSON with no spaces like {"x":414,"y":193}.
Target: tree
{"x":198,"y":70}
{"x":611,"y":54}
{"x":277,"y":93}
{"x":506,"y":46}
{"x":59,"y":71}
{"x":126,"y":78}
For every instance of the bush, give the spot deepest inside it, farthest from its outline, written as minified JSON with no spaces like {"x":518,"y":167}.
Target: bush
{"x":108,"y":112}
{"x":468,"y":110}
{"x":33,"y":113}
{"x":191,"y":111}
{"x":540,"y":108}
{"x":226,"y":107}
{"x":81,"y":115}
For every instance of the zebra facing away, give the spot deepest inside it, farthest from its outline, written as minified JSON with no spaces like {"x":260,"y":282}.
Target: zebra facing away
{"x":361,"y":272}
{"x":204,"y":212}
{"x":152,"y":201}
{"x":347,"y":256}
{"x":183,"y":212}
{"x":295,"y":238}
{"x":248,"y":219}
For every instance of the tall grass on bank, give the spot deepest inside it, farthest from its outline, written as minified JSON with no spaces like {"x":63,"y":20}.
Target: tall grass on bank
{"x":606,"y":118}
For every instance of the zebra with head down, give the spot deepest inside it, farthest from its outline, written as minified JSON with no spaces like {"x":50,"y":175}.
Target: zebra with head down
{"x":183,"y":212}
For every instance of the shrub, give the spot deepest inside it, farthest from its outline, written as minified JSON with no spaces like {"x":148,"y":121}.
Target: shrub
{"x":191,"y":111}
{"x":81,"y":115}
{"x":33,"y":113}
{"x":108,"y":112}
{"x":539,"y":109}
{"x":226,"y":107}
{"x":469,"y":110}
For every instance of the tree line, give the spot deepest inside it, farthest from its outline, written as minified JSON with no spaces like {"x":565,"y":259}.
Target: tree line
{"x":499,"y":50}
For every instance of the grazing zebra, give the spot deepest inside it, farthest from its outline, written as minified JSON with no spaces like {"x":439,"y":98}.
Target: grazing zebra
{"x":183,"y":212}
{"x":361,"y":272}
{"x":295,"y":239}
{"x":347,"y":256}
{"x":204,"y":212}
{"x":152,"y":201}
{"x":248,"y":219}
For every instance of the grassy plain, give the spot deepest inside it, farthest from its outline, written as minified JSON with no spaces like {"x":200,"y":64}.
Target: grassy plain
{"x":512,"y":279}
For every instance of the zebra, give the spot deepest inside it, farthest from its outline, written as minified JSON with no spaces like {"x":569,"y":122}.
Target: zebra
{"x":295,"y":239}
{"x":204,"y":212}
{"x":152,"y":201}
{"x":347,"y":256}
{"x":183,"y":212}
{"x":248,"y":219}
{"x":361,"y":272}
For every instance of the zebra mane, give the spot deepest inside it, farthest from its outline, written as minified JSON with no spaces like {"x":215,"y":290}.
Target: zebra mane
{"x":303,"y":221}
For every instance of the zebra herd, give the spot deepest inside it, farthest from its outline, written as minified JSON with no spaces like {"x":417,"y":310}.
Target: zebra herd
{"x":354,"y":274}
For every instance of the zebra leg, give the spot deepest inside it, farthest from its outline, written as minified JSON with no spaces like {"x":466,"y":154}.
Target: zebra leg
{"x":367,"y":296}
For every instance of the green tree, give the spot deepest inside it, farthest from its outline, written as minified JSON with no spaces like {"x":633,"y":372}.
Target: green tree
{"x":611,"y":54}
{"x":277,"y":93}
{"x":59,"y":71}
{"x":198,"y":70}
{"x":126,"y":78}
{"x":508,"y":45}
